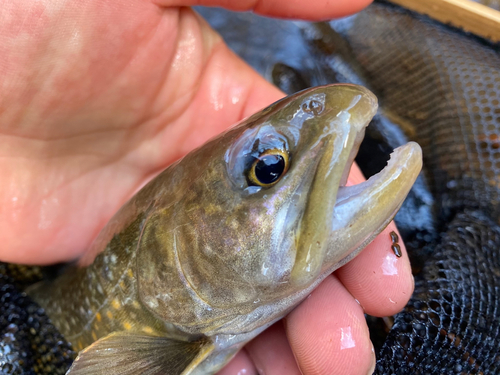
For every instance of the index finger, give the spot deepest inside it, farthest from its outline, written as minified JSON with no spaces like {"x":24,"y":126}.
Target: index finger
{"x":306,"y":10}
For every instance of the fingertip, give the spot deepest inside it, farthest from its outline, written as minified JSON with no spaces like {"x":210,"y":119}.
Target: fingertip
{"x":240,"y":364}
{"x":328,"y":332}
{"x":378,"y":278}
{"x":271,"y":352}
{"x":355,"y":175}
{"x":317,"y":10}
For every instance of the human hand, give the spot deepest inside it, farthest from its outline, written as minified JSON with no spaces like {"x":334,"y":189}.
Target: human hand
{"x":96,"y":97}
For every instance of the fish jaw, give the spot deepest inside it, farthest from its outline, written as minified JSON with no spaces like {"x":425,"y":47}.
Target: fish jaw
{"x":362,"y":211}
{"x":343,"y":132}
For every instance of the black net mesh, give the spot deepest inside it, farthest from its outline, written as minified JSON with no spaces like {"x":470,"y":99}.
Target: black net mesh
{"x":442,"y":88}
{"x":29,"y":343}
{"x":450,"y":325}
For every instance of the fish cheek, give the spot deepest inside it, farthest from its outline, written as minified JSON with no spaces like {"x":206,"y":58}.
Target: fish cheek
{"x":161,"y":285}
{"x":175,"y":288}
{"x":213,"y":276}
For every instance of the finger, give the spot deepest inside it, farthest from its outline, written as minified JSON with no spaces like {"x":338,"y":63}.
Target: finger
{"x":315,"y":10}
{"x":241,"y":364}
{"x":328,"y":333}
{"x":380,"y":280}
{"x":271,"y":353}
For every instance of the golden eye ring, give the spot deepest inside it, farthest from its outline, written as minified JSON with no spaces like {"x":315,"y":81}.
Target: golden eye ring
{"x":268,"y":168}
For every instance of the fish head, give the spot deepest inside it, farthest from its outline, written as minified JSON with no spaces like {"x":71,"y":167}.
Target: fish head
{"x":254,"y":220}
{"x":284,"y":172}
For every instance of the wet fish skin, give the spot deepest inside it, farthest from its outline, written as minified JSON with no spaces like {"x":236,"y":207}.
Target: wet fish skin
{"x":200,"y":262}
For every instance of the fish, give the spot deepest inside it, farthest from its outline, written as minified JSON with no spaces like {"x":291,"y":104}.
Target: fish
{"x":229,"y":239}
{"x":437,"y":86}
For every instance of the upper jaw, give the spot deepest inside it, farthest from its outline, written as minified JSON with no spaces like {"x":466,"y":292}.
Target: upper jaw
{"x":338,"y":221}
{"x":339,"y":142}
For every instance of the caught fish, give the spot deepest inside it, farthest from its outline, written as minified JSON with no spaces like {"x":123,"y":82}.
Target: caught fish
{"x":229,"y":239}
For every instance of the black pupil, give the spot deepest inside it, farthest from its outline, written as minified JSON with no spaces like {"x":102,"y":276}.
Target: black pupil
{"x":269,"y":168}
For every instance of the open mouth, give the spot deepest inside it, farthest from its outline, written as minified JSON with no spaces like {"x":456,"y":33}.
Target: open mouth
{"x":399,"y":158}
{"x":384,"y":191}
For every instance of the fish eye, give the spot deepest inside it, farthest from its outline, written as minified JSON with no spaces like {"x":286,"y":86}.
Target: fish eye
{"x":268,"y":168}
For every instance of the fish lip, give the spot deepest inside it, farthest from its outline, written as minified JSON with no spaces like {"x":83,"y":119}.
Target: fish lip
{"x":361,"y":192}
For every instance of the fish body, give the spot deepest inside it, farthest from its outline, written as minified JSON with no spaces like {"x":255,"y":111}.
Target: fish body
{"x":229,"y":239}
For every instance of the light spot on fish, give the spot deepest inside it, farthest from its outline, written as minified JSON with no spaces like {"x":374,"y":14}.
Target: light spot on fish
{"x":151,"y":302}
{"x":148,"y":330}
{"x":130,"y":273}
{"x":127,"y":326}
{"x":116,"y":304}
{"x":264,"y":269}
{"x":94,"y":336}
{"x":109,"y":314}
{"x":98,"y":317}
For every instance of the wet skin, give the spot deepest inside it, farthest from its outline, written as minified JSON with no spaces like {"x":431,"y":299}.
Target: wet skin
{"x":99,"y":127}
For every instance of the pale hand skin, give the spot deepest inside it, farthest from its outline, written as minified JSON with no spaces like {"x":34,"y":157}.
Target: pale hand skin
{"x":98,"y":96}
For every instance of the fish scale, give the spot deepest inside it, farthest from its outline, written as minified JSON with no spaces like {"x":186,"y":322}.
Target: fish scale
{"x":108,"y":303}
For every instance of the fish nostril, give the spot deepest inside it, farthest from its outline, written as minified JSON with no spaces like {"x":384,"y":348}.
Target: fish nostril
{"x":313,"y":106}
